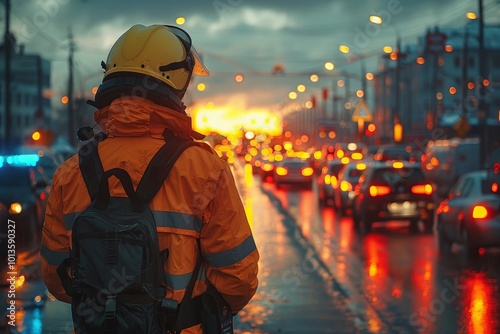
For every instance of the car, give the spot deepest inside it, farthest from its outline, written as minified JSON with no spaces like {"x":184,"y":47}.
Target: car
{"x":394,"y":152}
{"x":470,"y":215}
{"x":24,"y":190}
{"x":267,"y":171}
{"x":327,"y":180}
{"x":348,"y":179}
{"x":444,"y":161}
{"x":293,"y":171}
{"x":393,"y":190}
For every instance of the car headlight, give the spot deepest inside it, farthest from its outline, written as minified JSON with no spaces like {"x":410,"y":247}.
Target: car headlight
{"x":15,"y":208}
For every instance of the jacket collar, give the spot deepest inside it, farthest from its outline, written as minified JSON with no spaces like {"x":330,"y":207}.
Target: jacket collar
{"x":136,"y":117}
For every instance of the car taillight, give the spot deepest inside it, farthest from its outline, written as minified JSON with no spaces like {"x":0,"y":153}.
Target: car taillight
{"x":422,"y":189}
{"x":281,"y":171}
{"x":307,"y":171}
{"x":379,"y":190}
{"x":480,"y":212}
{"x":345,"y":186}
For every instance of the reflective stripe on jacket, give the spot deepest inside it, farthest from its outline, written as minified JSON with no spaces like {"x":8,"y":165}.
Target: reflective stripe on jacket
{"x":198,"y":200}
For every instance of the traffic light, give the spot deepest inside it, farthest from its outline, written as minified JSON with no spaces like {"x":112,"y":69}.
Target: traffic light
{"x":371,"y":129}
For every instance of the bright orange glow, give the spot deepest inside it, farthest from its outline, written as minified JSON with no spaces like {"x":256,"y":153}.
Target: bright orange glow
{"x":94,"y":90}
{"x":238,"y":78}
{"x":397,"y":164}
{"x":446,"y":208}
{"x":479,"y":212}
{"x":453,"y":90}
{"x":393,"y":56}
{"x":15,"y":208}
{"x":281,"y":171}
{"x":36,"y":135}
{"x":345,"y":186}
{"x":398,"y":132}
{"x":379,"y":190}
{"x":357,"y":156}
{"x":420,"y":60}
{"x":267,"y":167}
{"x":304,"y":138}
{"x":340,"y":83}
{"x":344,"y":160}
{"x":434,"y":161}
{"x":64,"y":100}
{"x":372,"y":127}
{"x":20,"y":281}
{"x":486,"y":82}
{"x":494,"y":187}
{"x":471,"y":85}
{"x":369,"y":76}
{"x":308,"y":171}
{"x":344,"y":49}
{"x":448,"y":48}
{"x":361,"y":166}
{"x":421,"y":189}
{"x":471,"y":15}
{"x":314,"y":78}
{"x":360,"y":93}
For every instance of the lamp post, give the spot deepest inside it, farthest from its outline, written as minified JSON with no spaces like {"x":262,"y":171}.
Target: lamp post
{"x":482,"y":113}
{"x":396,"y":56}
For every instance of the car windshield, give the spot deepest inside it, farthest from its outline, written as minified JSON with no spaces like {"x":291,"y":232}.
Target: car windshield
{"x":294,"y":164}
{"x":13,"y":176}
{"x":389,"y":176}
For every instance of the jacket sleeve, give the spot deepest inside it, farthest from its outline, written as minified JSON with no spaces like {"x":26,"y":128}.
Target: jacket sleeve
{"x":228,"y":246}
{"x":55,"y":243}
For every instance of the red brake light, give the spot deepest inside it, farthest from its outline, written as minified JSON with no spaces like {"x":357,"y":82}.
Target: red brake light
{"x":479,"y":212}
{"x":379,"y":190}
{"x":422,"y":189}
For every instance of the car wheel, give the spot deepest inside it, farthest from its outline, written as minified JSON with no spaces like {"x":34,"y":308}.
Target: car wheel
{"x":444,"y":243}
{"x":429,"y":224}
{"x":471,"y":249}
{"x":414,"y":226}
{"x":366,"y":223}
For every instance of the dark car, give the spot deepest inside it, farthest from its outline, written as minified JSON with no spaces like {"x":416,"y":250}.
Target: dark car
{"x":393,"y":190}
{"x":470,"y":215}
{"x":24,"y":190}
{"x":293,"y":171}
{"x":394,"y":152}
{"x":348,"y":179}
{"x":328,"y":180}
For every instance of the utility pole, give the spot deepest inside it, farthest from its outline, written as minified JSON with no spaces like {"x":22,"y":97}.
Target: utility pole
{"x":7,"y":140}
{"x":482,"y":113}
{"x":465,"y":64}
{"x":71,"y":114}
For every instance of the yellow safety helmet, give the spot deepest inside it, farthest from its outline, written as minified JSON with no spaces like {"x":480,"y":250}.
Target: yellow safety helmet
{"x":145,"y":59}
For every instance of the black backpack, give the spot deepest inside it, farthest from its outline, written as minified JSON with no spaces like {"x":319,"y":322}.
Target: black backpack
{"x":116,"y":267}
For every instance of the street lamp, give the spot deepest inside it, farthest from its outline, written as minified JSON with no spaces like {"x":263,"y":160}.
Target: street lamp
{"x":396,"y":56}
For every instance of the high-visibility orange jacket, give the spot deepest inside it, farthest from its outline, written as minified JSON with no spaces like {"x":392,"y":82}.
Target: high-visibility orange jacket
{"x":198,"y":200}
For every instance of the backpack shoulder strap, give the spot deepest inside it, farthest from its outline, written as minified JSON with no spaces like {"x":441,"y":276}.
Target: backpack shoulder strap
{"x":91,"y":167}
{"x":158,"y":169}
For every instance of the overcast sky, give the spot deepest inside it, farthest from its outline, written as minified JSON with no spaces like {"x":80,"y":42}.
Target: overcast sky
{"x":235,"y":36}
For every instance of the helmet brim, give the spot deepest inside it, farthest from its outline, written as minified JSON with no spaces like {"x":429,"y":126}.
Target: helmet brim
{"x":199,"y":68}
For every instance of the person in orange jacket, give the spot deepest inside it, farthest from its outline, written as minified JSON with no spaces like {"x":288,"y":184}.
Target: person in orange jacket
{"x":147,"y":72}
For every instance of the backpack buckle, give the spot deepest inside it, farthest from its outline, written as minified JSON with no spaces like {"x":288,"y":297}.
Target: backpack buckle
{"x":110,"y":309}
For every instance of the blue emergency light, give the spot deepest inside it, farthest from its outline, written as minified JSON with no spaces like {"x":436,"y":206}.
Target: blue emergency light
{"x":19,"y":160}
